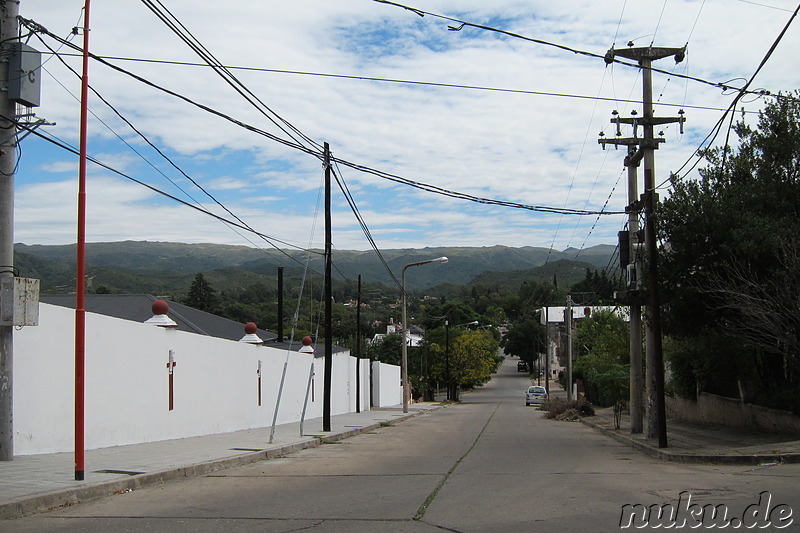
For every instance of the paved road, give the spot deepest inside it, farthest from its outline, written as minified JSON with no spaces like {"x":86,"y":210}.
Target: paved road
{"x":489,"y":464}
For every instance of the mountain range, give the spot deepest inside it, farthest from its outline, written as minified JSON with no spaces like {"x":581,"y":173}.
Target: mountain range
{"x":168,"y":268}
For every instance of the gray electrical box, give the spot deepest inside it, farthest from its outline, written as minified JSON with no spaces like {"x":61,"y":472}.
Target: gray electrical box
{"x":24,"y":75}
{"x":19,"y":301}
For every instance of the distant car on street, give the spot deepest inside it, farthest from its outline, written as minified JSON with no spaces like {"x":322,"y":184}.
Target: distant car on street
{"x":535,"y":394}
{"x":522,"y":366}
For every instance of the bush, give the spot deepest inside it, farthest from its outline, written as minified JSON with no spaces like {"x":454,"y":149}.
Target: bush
{"x":560,"y":409}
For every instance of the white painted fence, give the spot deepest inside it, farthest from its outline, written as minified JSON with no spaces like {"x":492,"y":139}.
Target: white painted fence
{"x":215,"y":384}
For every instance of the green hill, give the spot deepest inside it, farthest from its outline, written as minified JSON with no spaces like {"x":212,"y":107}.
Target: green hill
{"x":168,"y":268}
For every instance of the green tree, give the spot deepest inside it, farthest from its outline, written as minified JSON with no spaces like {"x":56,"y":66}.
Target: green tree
{"x":597,"y":286}
{"x":473,"y":358}
{"x":729,"y":276}
{"x":454,"y":311}
{"x":201,"y":295}
{"x":387,"y":350}
{"x":494,"y":315}
{"x":533,"y":295}
{"x":605,"y":336}
{"x":526,"y":340}
{"x":604,"y":333}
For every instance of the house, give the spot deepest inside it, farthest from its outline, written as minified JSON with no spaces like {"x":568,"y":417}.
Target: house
{"x":414,"y":336}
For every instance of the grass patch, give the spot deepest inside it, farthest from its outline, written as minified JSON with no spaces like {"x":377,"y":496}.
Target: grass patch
{"x":386,"y":425}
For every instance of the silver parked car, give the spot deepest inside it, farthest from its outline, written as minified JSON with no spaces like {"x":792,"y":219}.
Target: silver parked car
{"x":535,"y":394}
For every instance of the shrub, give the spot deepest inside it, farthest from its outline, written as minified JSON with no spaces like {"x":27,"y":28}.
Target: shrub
{"x":561,"y":409}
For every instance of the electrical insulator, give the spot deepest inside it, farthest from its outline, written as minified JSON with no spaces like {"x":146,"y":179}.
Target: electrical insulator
{"x":633,"y":282}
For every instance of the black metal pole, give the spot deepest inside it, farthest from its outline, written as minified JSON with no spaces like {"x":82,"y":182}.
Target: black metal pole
{"x":358,"y":347}
{"x":326,"y":402}
{"x":280,"y":304}
{"x":447,"y":357}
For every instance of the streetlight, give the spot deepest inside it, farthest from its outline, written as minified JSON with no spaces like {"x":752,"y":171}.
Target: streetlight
{"x":404,"y":360}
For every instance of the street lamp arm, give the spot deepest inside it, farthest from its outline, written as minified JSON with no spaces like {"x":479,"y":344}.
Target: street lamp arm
{"x":418,"y":263}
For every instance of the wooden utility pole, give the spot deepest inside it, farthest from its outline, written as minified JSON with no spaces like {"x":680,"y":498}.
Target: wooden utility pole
{"x":8,"y":155}
{"x":547,"y":349}
{"x":656,"y":411}
{"x":568,"y":322}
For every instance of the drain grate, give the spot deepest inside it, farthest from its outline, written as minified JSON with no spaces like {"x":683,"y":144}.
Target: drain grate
{"x":247,"y":449}
{"x":122,"y":472}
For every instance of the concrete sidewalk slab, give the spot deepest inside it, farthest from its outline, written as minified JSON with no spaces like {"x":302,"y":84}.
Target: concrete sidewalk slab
{"x":696,"y":443}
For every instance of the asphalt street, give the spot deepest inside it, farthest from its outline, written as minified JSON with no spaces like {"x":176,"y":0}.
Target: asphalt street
{"x":487,"y":464}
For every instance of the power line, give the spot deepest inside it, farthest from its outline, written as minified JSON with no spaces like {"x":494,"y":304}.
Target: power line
{"x":381,"y":174}
{"x":154,"y":147}
{"x":186,"y":36}
{"x":63,"y":145}
{"x":717,"y":128}
{"x":354,"y":208}
{"x":384,"y":175}
{"x":759,"y":4}
{"x":605,"y":57}
{"x":398,"y":81}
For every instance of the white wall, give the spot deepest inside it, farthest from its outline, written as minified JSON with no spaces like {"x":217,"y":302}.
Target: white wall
{"x":386,"y":385}
{"x":126,"y":391}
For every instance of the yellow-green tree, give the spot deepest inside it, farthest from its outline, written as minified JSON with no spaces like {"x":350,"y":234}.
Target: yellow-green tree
{"x":473,"y":357}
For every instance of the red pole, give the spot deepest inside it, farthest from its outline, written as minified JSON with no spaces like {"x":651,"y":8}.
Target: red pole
{"x":80,"y":302}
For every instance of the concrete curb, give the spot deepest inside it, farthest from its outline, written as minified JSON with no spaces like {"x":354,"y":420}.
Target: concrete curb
{"x":38,"y":503}
{"x":695,"y":458}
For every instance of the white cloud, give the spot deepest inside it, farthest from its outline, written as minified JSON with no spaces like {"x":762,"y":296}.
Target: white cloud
{"x":522,"y":147}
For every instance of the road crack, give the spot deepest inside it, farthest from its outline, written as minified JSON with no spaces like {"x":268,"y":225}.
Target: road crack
{"x":432,"y":496}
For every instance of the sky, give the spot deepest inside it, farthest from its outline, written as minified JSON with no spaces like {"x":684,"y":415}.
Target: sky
{"x":475,"y":112}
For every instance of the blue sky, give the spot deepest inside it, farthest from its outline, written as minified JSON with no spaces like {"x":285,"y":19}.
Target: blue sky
{"x":518,"y":145}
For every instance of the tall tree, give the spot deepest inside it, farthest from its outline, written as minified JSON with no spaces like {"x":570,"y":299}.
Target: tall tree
{"x":201,"y":295}
{"x":472,"y":359}
{"x":728,"y":266}
{"x":526,"y":339}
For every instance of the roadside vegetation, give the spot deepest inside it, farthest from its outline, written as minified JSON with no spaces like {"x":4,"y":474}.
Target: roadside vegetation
{"x":730,"y":266}
{"x":566,"y":411}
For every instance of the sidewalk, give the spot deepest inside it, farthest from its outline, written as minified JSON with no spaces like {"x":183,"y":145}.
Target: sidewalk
{"x":699,"y":443}
{"x":36,"y":483}
{"x":696,"y":443}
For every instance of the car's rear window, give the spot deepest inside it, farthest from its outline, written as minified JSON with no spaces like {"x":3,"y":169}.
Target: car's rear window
{"x":537,"y":390}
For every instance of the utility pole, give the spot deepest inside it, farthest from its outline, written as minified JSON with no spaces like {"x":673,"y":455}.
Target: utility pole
{"x":547,"y":349}
{"x":326,"y":401}
{"x":635,"y":404}
{"x":280,"y":305}
{"x":568,"y":321}
{"x":447,"y":357}
{"x":8,"y":109}
{"x":656,"y":411}
{"x":358,"y":347}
